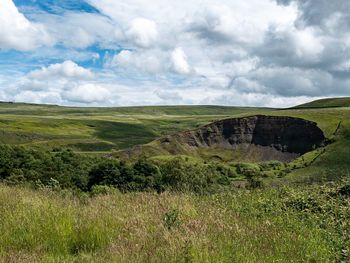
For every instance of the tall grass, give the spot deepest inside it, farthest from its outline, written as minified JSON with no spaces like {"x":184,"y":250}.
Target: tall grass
{"x":286,"y":225}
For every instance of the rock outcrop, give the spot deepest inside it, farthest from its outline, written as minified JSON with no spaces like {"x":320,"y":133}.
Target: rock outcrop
{"x":255,"y":138}
{"x":275,"y":137}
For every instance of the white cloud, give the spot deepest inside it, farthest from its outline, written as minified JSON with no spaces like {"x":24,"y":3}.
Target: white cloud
{"x":87,"y":93}
{"x":179,"y":61}
{"x":151,"y":61}
{"x":65,"y":83}
{"x":67,"y":69}
{"x":307,"y":43}
{"x":143,"y":32}
{"x":169,"y":96}
{"x":38,"y":97}
{"x":17,"y":32}
{"x":199,"y":51}
{"x":80,"y":30}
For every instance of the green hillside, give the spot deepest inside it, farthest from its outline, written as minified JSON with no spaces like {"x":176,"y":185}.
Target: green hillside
{"x":102,"y":129}
{"x":327,"y":103}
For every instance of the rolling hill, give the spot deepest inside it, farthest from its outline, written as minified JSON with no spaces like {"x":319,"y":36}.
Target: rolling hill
{"x":111,"y":131}
{"x":326,"y":103}
{"x":101,"y":129}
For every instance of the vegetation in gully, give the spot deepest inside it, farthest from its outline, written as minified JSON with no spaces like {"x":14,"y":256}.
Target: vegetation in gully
{"x":64,"y":197}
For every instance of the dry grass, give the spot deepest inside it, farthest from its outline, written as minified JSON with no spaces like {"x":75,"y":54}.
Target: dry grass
{"x":241,"y":227}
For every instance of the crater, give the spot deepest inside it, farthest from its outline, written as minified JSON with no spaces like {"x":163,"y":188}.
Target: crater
{"x":254,"y":138}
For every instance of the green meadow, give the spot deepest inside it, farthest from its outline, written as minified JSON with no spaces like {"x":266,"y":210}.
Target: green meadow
{"x":304,"y":224}
{"x":102,"y":129}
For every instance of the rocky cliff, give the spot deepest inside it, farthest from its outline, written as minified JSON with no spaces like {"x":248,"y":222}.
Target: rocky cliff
{"x":255,"y":138}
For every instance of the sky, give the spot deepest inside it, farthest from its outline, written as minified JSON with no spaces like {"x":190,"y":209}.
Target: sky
{"x":274,"y":53}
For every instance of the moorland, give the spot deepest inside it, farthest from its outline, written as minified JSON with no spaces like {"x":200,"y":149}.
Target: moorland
{"x":80,"y":185}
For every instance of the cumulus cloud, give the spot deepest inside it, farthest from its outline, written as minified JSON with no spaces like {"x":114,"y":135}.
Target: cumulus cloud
{"x":67,"y":69}
{"x":151,"y":62}
{"x":322,"y":12}
{"x":143,"y":32}
{"x":87,"y":93}
{"x":257,"y":52}
{"x":179,"y":61}
{"x":169,"y":96}
{"x":17,"y":32}
{"x":80,"y":30}
{"x":63,"y":83}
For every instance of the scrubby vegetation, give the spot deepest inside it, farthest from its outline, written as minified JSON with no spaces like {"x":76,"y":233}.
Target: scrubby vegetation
{"x":66,"y":169}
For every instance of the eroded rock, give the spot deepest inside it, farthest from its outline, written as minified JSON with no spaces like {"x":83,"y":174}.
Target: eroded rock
{"x":255,"y":138}
{"x":273,"y":137}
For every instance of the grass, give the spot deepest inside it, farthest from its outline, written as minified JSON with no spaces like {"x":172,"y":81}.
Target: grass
{"x":308,"y":224}
{"x":325,"y":103}
{"x":101,"y":129}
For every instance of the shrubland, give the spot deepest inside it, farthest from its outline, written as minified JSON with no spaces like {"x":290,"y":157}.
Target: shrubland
{"x":81,"y":173}
{"x":69,"y":170}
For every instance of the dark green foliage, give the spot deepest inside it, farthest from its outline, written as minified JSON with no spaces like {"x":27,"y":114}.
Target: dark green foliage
{"x":147,"y":176}
{"x":179,"y":174}
{"x":248,"y":169}
{"x":106,"y":173}
{"x":141,"y":176}
{"x":18,"y":164}
{"x":103,"y":190}
{"x":345,"y":190}
{"x":176,"y":174}
{"x":71,"y":170}
{"x":272,"y":165}
{"x":254,"y":182}
{"x":172,"y":219}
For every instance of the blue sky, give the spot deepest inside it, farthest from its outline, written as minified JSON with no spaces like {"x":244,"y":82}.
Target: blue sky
{"x":54,"y":6}
{"x":146,"y":52}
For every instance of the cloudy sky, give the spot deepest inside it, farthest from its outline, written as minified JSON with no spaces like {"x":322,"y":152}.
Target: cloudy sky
{"x":151,"y":52}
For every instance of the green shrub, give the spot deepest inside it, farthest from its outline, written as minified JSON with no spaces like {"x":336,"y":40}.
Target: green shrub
{"x":181,"y":175}
{"x":271,"y":165}
{"x":248,"y":169}
{"x":103,"y":190}
{"x":172,"y":219}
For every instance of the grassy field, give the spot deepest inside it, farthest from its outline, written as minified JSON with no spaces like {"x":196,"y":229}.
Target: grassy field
{"x":102,"y":129}
{"x":305,"y":224}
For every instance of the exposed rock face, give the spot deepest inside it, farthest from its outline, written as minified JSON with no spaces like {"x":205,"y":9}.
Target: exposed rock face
{"x":275,"y":137}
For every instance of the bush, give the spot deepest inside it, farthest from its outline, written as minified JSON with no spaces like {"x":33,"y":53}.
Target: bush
{"x":181,"y":175}
{"x":68,"y":170}
{"x":248,"y":169}
{"x":106,"y":173}
{"x":103,"y":190}
{"x":19,"y":164}
{"x":271,"y":165}
{"x":172,"y":219}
